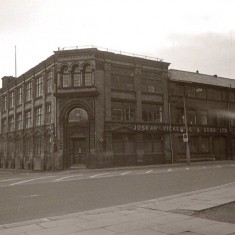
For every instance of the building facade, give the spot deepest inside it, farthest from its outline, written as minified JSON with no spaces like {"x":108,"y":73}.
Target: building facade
{"x":101,"y":109}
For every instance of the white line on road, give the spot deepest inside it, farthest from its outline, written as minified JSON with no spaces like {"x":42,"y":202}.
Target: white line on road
{"x":94,"y":176}
{"x":10,"y":179}
{"x":147,"y":172}
{"x":26,"y":181}
{"x":204,"y":167}
{"x":29,"y":196}
{"x":187,"y":168}
{"x":218,"y":166}
{"x":66,"y":177}
{"x":169,"y":170}
{"x":127,"y":172}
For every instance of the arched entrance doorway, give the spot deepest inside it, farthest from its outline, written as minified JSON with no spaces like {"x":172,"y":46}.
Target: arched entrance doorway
{"x":77,"y":137}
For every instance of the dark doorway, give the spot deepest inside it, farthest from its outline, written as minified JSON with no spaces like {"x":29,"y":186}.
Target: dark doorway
{"x":77,"y":137}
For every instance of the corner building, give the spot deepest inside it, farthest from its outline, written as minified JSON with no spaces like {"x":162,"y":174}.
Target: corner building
{"x":88,"y":107}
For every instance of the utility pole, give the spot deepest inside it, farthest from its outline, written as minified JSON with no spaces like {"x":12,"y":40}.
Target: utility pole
{"x":185,"y":135}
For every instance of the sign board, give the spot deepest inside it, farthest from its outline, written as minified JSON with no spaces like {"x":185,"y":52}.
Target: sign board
{"x":185,"y":137}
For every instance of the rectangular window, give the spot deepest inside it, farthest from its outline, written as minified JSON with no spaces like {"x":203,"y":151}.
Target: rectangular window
{"x":124,"y":143}
{"x":19,"y":121}
{"x":19,"y":96}
{"x":11,"y":99}
{"x":4,"y":105}
{"x":18,"y":144}
{"x":179,"y":116}
{"x":152,"y":113}
{"x":11,"y":123}
{"x":4,"y":125}
{"x":39,"y":86}
{"x":176,"y":90}
{"x":153,"y":143}
{"x":152,"y":86}
{"x":194,"y":144}
{"x":122,"y":82}
{"x":28,"y":119}
{"x":122,"y":111}
{"x":200,"y":93}
{"x":213,"y":94}
{"x":28,"y":91}
{"x":27,"y":146}
{"x":38,"y":116}
{"x":48,"y":143}
{"x":49,"y":82}
{"x":38,"y":145}
{"x":231,"y":96}
{"x":192,"y":118}
{"x":48,"y":113}
{"x":202,"y":118}
{"x":205,"y":144}
{"x":190,"y":91}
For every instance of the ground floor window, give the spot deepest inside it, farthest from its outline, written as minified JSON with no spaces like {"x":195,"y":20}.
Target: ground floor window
{"x":27,"y":146}
{"x":38,"y":145}
{"x":197,"y":144}
{"x":124,"y":143}
{"x":153,"y":143}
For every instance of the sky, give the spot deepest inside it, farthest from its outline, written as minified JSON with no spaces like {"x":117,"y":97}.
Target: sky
{"x":190,"y":34}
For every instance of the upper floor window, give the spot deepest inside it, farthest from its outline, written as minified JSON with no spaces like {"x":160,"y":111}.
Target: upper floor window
{"x":65,"y":76}
{"x":48,"y":113}
{"x":19,"y":121}
{"x":202,"y":118}
{"x":200,"y":93}
{"x":49,"y":82}
{"x":122,"y":111}
{"x":77,"y":78}
{"x":19,"y":96}
{"x":87,"y":75}
{"x":38,"y":116}
{"x":213,"y":94}
{"x":192,"y":117}
{"x":179,"y":116}
{"x":122,"y":82}
{"x":28,"y":119}
{"x":4,"y":125}
{"x":152,"y":112}
{"x":28,"y":91}
{"x":4,"y":105}
{"x":152,"y":86}
{"x":176,"y":89}
{"x":231,"y":96}
{"x":190,"y":91}
{"x":11,"y":123}
{"x":39,"y":86}
{"x":11,"y":99}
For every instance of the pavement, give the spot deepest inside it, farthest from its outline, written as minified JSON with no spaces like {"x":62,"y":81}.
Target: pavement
{"x":167,"y":215}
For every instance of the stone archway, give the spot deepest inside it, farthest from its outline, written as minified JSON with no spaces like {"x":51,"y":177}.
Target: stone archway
{"x":76,"y":137}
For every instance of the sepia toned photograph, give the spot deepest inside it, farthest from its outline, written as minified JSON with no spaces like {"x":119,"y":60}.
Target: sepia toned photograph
{"x":117,"y":117}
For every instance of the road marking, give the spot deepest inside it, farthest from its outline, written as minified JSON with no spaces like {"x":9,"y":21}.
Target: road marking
{"x":218,"y":166}
{"x":169,"y":170}
{"x":66,"y":177}
{"x":9,"y":179}
{"x":204,"y":167}
{"x":94,"y":176}
{"x":29,"y":196}
{"x":125,"y":173}
{"x":147,"y":172}
{"x":187,"y":168}
{"x":26,"y":181}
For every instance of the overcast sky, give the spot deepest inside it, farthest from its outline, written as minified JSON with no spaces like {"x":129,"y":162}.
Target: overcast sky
{"x":190,"y":34}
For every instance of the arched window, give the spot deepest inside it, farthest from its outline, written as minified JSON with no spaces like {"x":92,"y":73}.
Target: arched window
{"x":78,"y":115}
{"x":77,"y":79}
{"x":87,"y":75}
{"x":65,"y":76}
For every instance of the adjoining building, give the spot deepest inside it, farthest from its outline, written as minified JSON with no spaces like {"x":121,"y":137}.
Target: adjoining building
{"x":210,"y":107}
{"x":102,"y":109}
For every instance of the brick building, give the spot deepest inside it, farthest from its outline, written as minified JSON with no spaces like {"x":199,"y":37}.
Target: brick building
{"x":210,"y":107}
{"x":102,"y":109}
{"x":85,"y":106}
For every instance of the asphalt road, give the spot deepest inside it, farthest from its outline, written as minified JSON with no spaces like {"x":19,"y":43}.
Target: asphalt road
{"x":31,"y":196}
